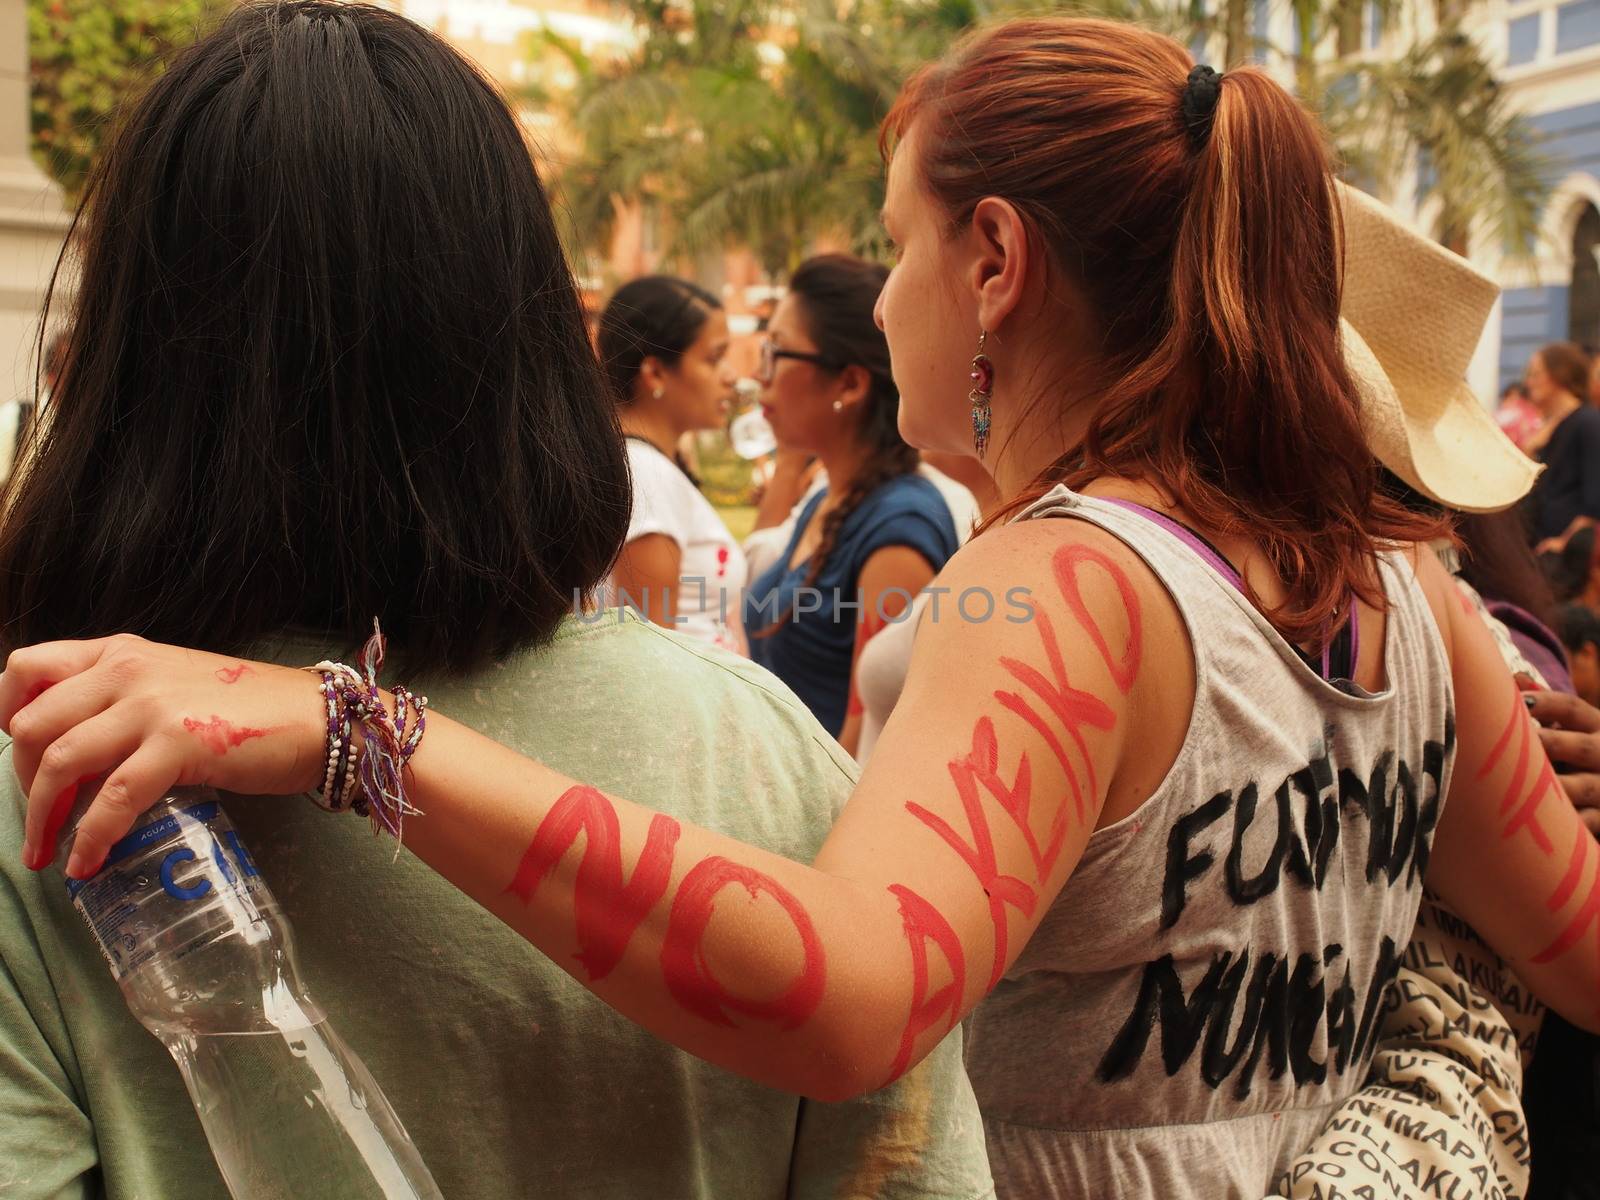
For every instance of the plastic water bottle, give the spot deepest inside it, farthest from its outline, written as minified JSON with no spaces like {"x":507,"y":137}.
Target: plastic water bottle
{"x":749,"y":433}
{"x":205,"y":959}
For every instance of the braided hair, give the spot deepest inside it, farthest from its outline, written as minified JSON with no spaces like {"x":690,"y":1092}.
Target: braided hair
{"x":837,"y":295}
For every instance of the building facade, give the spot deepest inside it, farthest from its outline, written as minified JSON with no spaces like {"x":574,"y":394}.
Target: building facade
{"x":1550,"y":56}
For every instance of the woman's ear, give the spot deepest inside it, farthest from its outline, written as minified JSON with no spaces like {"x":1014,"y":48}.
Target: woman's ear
{"x":999,"y":270}
{"x":852,"y":386}
{"x":652,"y":380}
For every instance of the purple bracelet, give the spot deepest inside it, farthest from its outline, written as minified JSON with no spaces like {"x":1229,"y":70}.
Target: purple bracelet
{"x":369,"y":780}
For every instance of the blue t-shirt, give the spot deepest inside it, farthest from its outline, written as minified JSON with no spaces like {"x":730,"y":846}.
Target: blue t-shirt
{"x":812,"y":652}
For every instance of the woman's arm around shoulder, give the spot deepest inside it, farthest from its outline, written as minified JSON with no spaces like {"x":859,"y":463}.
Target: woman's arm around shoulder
{"x":1007,"y":749}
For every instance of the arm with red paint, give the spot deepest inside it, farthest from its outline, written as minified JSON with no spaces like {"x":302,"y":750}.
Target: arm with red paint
{"x":1511,"y":855}
{"x":826,"y":979}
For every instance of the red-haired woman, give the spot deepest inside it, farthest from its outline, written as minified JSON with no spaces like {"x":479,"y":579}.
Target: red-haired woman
{"x":1173,"y":825}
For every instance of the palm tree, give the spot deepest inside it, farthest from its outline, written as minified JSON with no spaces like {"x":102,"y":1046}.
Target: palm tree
{"x":1437,"y":108}
{"x":705,"y":124}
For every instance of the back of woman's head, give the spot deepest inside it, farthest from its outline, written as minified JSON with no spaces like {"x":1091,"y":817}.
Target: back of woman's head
{"x":1578,"y":626}
{"x":1568,"y":367}
{"x":1199,"y":224}
{"x":1497,"y":561}
{"x":327,"y":362}
{"x":655,"y":316}
{"x":1569,"y":571}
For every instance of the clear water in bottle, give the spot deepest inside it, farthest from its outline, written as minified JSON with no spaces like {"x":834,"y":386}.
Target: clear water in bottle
{"x":749,"y":434}
{"x":206,"y":962}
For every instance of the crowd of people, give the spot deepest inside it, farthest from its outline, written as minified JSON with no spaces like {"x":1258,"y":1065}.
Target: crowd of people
{"x":1553,"y":415}
{"x":1148,"y":747}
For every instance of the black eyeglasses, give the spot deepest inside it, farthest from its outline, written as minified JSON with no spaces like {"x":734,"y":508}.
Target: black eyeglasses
{"x":767,"y":369}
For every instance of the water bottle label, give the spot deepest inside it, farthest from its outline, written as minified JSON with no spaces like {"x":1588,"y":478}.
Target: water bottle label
{"x":132,"y":896}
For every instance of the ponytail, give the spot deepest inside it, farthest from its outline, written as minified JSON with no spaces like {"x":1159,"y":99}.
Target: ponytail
{"x":1206,"y":237}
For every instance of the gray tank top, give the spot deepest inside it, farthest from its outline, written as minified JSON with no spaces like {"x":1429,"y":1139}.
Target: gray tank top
{"x":1206,"y":988}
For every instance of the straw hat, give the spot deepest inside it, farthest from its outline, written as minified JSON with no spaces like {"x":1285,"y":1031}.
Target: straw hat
{"x":1413,"y":312}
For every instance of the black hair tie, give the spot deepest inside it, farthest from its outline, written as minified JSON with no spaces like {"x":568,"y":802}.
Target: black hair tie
{"x":1199,"y":104}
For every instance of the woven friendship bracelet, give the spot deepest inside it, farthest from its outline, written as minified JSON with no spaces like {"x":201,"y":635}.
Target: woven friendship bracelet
{"x":369,"y":779}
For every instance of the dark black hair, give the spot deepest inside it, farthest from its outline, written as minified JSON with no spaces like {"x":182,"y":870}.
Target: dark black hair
{"x":837,"y":294}
{"x":656,"y":316}
{"x":1578,"y":626}
{"x":55,"y":354}
{"x":1495,"y":556}
{"x":327,"y":362}
{"x":1569,"y":570}
{"x":1498,"y":562}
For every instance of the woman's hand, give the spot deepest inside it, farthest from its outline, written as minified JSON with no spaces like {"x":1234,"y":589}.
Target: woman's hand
{"x":1570,"y":731}
{"x":145,"y":718}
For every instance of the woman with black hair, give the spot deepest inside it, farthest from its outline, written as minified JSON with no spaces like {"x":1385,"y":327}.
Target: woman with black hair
{"x":328,"y":362}
{"x":1567,"y":496}
{"x":877,"y":534}
{"x":663,"y":342}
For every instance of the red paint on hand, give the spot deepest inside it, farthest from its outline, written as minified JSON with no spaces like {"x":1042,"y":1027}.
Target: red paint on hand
{"x":232,"y":674}
{"x":219,"y":735}
{"x":688,"y":975}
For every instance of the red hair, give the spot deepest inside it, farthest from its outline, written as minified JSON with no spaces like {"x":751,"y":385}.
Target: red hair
{"x":1214,"y":267}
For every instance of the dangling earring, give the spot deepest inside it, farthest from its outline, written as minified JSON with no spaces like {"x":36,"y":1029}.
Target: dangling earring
{"x":982,"y":392}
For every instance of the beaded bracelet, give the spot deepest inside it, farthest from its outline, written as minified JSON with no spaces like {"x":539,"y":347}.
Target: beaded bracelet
{"x":369,"y":780}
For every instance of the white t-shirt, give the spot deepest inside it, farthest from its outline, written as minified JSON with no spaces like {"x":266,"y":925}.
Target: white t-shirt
{"x":712,"y":570}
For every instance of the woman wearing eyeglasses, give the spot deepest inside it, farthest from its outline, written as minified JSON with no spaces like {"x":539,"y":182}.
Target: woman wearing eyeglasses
{"x":868,"y":542}
{"x":663,"y":342}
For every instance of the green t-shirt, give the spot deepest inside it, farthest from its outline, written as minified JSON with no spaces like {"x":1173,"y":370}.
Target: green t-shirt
{"x":512,"y":1079}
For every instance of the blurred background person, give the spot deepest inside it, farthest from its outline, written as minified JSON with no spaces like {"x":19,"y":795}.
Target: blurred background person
{"x":885,"y":659}
{"x":876,"y":531}
{"x":1516,"y":415}
{"x":1498,"y":573}
{"x":17,"y":416}
{"x":662,"y":342}
{"x":1579,"y":627}
{"x":1575,"y":573}
{"x":1567,"y":496}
